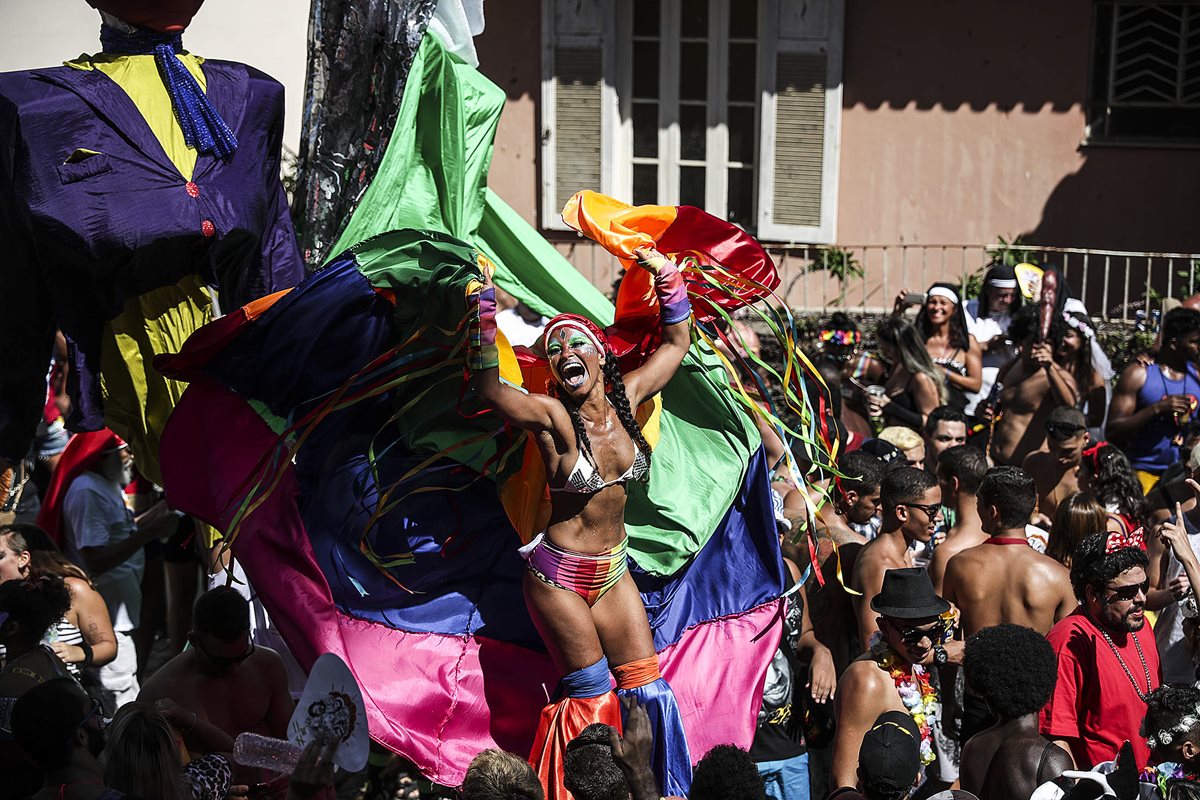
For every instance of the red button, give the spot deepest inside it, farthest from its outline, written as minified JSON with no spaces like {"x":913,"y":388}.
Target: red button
{"x":192,"y":189}
{"x":207,"y":227}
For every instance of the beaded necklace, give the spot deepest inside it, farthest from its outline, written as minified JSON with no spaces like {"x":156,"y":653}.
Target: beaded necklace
{"x":1145,"y":697}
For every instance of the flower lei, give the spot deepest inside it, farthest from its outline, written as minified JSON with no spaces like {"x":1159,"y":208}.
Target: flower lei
{"x":842,"y":338}
{"x":1158,"y":776}
{"x":917,"y":694}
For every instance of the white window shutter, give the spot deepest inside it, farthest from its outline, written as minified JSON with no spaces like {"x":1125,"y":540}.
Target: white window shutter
{"x":801,"y":122}
{"x":577,"y":90}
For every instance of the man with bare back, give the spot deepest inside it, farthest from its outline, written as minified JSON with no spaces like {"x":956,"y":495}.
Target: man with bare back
{"x":1034,"y":385}
{"x":960,"y":470}
{"x":1004,"y":579}
{"x":1056,"y":473}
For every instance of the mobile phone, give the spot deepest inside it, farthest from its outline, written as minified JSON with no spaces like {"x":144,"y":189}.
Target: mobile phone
{"x":914,"y":299}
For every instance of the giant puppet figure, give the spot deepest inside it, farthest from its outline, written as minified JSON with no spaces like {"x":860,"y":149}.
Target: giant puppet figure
{"x":139,"y":191}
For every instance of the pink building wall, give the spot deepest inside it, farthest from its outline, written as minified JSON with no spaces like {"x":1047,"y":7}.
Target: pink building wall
{"x":961,"y":122}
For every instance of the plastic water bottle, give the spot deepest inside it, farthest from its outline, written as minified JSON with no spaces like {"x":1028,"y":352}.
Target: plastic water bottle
{"x":256,"y":750}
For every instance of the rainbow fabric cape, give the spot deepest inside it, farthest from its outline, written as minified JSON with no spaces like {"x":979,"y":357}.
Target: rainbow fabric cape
{"x":332,"y":428}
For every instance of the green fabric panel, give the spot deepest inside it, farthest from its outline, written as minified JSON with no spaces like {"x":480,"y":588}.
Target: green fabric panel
{"x":434,"y":173}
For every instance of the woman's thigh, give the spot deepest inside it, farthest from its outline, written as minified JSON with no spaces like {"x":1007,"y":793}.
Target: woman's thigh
{"x":565,"y":623}
{"x":621,"y":623}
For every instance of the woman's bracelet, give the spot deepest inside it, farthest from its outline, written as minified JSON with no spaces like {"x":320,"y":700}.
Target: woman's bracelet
{"x":87,"y":653}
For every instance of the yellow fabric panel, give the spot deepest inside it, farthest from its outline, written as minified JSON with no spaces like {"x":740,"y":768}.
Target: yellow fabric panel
{"x":137,"y":399}
{"x":138,"y":76}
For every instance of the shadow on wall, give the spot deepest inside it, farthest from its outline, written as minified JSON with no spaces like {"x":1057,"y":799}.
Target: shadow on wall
{"x":1125,"y":198}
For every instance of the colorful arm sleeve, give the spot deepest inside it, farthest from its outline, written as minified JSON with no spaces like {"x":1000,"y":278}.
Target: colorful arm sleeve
{"x":481,"y":309}
{"x":670,"y":288}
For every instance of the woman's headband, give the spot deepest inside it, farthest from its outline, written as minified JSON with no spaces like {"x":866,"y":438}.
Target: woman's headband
{"x":576,"y":322}
{"x":1002,"y":283}
{"x":942,"y":291}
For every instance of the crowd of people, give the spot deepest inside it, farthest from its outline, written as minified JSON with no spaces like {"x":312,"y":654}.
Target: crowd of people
{"x":1000,"y":594}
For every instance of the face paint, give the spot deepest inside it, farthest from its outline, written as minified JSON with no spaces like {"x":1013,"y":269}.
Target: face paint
{"x":581,"y":343}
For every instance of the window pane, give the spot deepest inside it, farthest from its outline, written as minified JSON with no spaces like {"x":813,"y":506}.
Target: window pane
{"x":645,"y":184}
{"x":645,"y":69}
{"x":741,"y":134}
{"x":743,"y":69}
{"x":743,"y":20}
{"x":740,"y":208}
{"x":695,"y":18}
{"x":691,"y":186}
{"x":645,"y":18}
{"x":692,"y":130}
{"x":645,"y":130}
{"x":693,"y":71}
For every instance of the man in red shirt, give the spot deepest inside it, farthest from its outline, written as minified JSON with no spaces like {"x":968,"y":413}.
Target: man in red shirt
{"x":1107,"y":660}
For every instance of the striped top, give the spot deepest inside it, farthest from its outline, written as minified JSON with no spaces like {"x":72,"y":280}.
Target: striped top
{"x":61,"y":631}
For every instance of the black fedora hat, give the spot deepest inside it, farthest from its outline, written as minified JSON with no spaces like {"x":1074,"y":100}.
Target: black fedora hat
{"x":908,"y":594}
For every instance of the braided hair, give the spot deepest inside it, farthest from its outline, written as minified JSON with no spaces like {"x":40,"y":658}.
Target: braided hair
{"x":576,"y":419}
{"x":615,"y":387}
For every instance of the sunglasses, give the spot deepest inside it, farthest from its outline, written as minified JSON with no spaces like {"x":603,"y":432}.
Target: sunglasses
{"x":933,"y":510}
{"x":1129,"y":592}
{"x":912,"y":636}
{"x":1061,"y":431}
{"x":222,"y":661}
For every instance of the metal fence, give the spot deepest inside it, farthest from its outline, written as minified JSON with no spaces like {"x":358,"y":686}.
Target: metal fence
{"x":1114,"y":284}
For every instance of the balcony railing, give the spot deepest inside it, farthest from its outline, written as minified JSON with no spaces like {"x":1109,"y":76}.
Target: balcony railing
{"x":1114,"y":284}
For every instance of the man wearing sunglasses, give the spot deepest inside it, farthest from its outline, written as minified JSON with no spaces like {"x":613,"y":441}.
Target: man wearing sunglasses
{"x":910,"y":627}
{"x":1056,"y":472}
{"x":1004,"y":580}
{"x":222,"y":677}
{"x":1107,"y":660}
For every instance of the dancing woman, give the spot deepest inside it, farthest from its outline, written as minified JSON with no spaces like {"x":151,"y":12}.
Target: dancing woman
{"x":578,"y":587}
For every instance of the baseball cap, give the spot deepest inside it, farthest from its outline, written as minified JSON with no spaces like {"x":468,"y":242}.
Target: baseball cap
{"x":890,"y":757}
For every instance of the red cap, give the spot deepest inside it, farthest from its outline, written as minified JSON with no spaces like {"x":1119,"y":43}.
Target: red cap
{"x":166,"y":16}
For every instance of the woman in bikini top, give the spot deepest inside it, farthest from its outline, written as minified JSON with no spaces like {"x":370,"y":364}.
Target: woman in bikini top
{"x":579,"y":591}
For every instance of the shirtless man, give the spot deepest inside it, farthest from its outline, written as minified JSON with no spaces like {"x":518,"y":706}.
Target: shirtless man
{"x":1014,"y":669}
{"x":1056,"y":473}
{"x":959,"y":473}
{"x":946,"y":427}
{"x":1034,"y":385}
{"x":223,"y":678}
{"x":1004,"y":579}
{"x":907,"y":615}
{"x":912,"y":505}
{"x":856,"y":500}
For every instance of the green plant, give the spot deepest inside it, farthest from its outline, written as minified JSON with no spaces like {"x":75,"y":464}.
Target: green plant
{"x":1012,"y":253}
{"x":839,"y":264}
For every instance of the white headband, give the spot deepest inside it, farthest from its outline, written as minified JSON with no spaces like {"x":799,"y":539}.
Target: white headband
{"x":1002,"y":283}
{"x":942,"y":291}
{"x":570,"y":323}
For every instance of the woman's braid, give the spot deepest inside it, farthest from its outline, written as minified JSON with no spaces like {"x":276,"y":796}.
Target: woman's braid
{"x":612,"y":377}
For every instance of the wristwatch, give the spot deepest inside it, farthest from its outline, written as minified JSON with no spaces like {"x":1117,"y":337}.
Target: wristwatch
{"x":940,"y":656}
